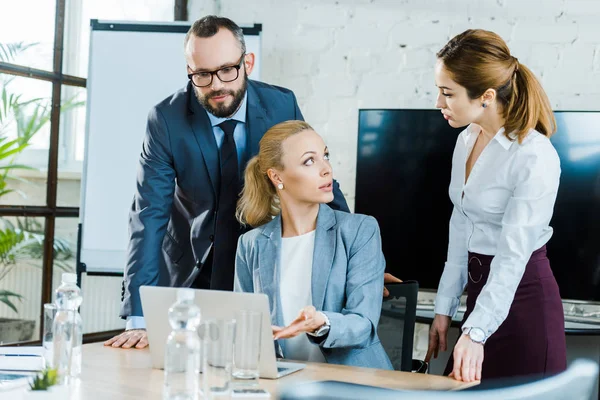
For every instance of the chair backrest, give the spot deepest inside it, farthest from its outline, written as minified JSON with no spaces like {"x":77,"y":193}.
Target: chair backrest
{"x":396,"y":327}
{"x":577,"y":383}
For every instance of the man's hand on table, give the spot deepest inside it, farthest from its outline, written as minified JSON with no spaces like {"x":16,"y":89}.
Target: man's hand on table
{"x":137,"y":338}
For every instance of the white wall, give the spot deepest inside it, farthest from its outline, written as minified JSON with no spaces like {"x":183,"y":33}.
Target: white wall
{"x":339,"y":56}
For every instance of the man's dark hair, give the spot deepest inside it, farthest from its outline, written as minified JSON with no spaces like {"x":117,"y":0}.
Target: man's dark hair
{"x":208,"y":26}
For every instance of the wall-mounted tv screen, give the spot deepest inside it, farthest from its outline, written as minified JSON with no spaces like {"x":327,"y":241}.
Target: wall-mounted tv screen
{"x":403,"y":173}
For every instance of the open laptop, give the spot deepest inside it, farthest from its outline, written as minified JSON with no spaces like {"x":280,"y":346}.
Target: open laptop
{"x":218,"y":304}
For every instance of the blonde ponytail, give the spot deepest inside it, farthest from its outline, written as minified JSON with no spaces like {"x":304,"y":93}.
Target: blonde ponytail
{"x":258,"y":204}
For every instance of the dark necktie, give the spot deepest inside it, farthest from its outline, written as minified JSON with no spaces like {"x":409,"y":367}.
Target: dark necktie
{"x":229,"y":166}
{"x":218,"y":269}
{"x":219,"y":275}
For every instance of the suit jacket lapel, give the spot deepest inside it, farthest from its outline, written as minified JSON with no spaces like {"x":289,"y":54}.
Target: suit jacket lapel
{"x":268,"y":264}
{"x":256,"y":121}
{"x":324,"y":252}
{"x":205,"y":137}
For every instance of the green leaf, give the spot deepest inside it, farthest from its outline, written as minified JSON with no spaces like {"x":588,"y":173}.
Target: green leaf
{"x":7,"y":145}
{"x":9,"y":293}
{"x":13,"y":151}
{"x":44,"y":380}
{"x":19,"y":166}
{"x":19,"y":179}
{"x":9,"y":102}
{"x":5,"y":297}
{"x":9,"y":304}
{"x":9,"y":51}
{"x":11,"y":147}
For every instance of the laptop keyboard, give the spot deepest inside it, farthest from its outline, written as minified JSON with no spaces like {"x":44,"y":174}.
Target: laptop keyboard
{"x":281,"y":369}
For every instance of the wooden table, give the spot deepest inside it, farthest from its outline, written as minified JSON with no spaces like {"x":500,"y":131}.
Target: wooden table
{"x":118,"y":374}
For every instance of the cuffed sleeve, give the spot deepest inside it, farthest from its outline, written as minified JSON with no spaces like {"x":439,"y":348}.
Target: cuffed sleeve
{"x":454,"y":278}
{"x":135,"y":323}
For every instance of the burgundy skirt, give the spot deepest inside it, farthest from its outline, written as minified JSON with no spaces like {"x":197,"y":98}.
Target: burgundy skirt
{"x":531,"y":341}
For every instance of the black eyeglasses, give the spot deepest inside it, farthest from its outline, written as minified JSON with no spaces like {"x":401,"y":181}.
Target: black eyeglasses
{"x":225,"y":74}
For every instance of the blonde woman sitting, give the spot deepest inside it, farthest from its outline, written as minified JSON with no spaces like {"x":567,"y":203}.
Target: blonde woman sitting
{"x":321,"y":269}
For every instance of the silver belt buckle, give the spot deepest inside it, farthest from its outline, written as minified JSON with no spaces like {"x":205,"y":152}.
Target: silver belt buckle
{"x":480,"y":265}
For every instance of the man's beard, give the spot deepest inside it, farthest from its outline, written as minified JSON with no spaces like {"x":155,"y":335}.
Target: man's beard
{"x":222,"y":110}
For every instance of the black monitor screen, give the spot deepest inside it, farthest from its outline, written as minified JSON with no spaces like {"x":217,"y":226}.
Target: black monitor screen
{"x":403,"y":173}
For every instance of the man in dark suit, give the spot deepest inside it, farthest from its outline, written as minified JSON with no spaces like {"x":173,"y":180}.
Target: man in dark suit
{"x":183,"y":231}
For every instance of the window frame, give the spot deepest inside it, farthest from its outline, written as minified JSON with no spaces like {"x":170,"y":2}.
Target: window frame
{"x":51,"y":211}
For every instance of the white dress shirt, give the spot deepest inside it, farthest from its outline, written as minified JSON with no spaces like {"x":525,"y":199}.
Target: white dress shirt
{"x":239,"y":133}
{"x":505,"y":211}
{"x":295,"y":292}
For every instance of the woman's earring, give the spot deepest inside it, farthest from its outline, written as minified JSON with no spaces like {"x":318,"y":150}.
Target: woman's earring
{"x":483,"y":105}
{"x":280,"y":186}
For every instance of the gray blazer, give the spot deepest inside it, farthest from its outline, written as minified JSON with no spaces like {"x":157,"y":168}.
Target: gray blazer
{"x":347,"y":282}
{"x":173,"y":213}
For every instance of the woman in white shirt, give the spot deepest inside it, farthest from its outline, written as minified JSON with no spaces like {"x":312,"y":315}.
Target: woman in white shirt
{"x":321,"y":269}
{"x":505,"y":176}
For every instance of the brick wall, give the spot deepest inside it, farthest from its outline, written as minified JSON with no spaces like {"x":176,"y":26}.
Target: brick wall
{"x":339,"y":56}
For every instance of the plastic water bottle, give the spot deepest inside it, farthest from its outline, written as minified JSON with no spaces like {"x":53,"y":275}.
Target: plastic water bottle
{"x":182,"y":353}
{"x":68,"y":329}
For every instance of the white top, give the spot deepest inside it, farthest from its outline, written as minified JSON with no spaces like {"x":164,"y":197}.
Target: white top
{"x":295,"y":292}
{"x":505,"y":211}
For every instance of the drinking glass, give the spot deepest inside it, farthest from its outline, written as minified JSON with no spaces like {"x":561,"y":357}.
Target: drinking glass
{"x":246,"y":356}
{"x":217,"y":336}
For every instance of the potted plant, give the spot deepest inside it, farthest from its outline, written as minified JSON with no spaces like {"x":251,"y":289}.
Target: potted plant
{"x":22,"y":245}
{"x":44,"y":387}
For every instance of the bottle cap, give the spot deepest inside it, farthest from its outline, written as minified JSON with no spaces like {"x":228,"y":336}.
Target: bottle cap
{"x":68,"y":277}
{"x":184,"y":294}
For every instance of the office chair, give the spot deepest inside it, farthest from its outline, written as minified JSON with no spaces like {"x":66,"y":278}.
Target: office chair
{"x":396,"y":327}
{"x":577,"y":383}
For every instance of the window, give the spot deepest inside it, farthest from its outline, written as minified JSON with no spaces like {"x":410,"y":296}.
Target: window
{"x":42,"y":139}
{"x":25,"y":138}
{"x":31,"y":33}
